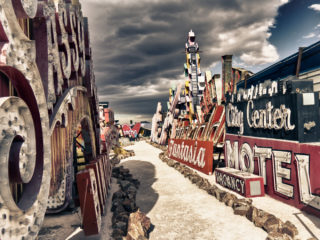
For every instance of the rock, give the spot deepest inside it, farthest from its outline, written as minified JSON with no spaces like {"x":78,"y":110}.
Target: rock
{"x":138,"y":226}
{"x":261,"y":218}
{"x":116,"y":203}
{"x":171,"y":162}
{"x":123,"y":217}
{"x":241,"y":207}
{"x":135,"y":182}
{"x":212,"y":190}
{"x":195,"y":179}
{"x":124,"y":171}
{"x":117,"y":233}
{"x":219,"y":194}
{"x":129,"y":205}
{"x":205,"y":185}
{"x":241,"y":210}
{"x":122,"y":226}
{"x":229,"y":199}
{"x":119,"y":209}
{"x":252,"y":213}
{"x":118,"y":195}
{"x":124,"y":184}
{"x":272,"y":224}
{"x":290,"y":229}
{"x":278,"y":236}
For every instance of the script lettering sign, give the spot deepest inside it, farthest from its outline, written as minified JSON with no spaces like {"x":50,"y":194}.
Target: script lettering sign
{"x":291,"y":116}
{"x":195,"y":154}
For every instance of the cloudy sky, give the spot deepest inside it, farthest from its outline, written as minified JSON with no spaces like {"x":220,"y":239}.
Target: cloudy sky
{"x":138,"y":46}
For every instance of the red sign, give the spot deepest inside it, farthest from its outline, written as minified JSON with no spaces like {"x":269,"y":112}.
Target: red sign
{"x":290,"y":169}
{"x":243,"y":183}
{"x":195,"y":154}
{"x":127,"y":131}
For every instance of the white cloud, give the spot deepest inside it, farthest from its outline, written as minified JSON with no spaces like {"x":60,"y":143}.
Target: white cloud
{"x":310,"y":35}
{"x":315,"y":7}
{"x":267,"y":54}
{"x":318,"y":26}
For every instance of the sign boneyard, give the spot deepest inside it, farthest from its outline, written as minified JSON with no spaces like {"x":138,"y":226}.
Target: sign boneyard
{"x":272,"y":131}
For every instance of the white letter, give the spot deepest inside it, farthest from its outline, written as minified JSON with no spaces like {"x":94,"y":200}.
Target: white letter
{"x":232,"y":155}
{"x":262,"y":153}
{"x":304,"y":182}
{"x":280,"y":172}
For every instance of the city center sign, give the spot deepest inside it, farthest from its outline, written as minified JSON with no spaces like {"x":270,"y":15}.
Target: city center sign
{"x":272,"y":131}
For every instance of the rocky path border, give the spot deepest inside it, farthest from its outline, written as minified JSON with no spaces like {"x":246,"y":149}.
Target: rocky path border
{"x":128,"y":222}
{"x":276,"y":229}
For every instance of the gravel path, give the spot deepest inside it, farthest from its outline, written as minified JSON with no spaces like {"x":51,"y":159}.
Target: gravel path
{"x":177,"y":208}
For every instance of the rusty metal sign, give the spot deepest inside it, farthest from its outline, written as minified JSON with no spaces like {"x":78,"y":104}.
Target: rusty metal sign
{"x":195,"y":154}
{"x":89,"y":202}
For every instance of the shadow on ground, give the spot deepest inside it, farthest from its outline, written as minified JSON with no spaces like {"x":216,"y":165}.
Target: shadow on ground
{"x":145,"y":173}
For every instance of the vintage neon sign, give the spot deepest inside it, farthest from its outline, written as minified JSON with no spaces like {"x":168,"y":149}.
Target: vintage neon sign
{"x":267,"y":134}
{"x":262,"y":111}
{"x":196,"y":154}
{"x":133,"y":133}
{"x":289,"y":168}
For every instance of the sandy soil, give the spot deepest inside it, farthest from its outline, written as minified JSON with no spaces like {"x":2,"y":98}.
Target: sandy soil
{"x":177,"y":208}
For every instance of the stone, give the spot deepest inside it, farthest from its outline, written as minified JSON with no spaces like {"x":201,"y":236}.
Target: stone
{"x":139,"y":226}
{"x":241,"y":207}
{"x":122,"y":226}
{"x":124,"y":217}
{"x":124,"y":184}
{"x":278,"y":236}
{"x":118,"y":195}
{"x":212,"y":190}
{"x":290,"y":229}
{"x":219,"y":194}
{"x":124,"y":171}
{"x":272,"y":224}
{"x":119,"y":209}
{"x":252,"y":213}
{"x":135,"y":182}
{"x":129,"y":205}
{"x":115,"y":204}
{"x":171,"y":162}
{"x":195,"y":179}
{"x":241,"y":210}
{"x":261,"y":218}
{"x":229,"y":199}
{"x":117,"y":233}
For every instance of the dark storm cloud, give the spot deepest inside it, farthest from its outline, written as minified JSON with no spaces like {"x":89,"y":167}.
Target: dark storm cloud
{"x":140,"y":44}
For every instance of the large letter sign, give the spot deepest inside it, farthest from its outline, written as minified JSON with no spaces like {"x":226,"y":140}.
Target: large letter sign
{"x":268,"y":134}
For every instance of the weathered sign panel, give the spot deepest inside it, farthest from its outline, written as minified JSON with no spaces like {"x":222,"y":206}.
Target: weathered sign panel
{"x":290,"y":169}
{"x":243,"y":183}
{"x":195,"y":154}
